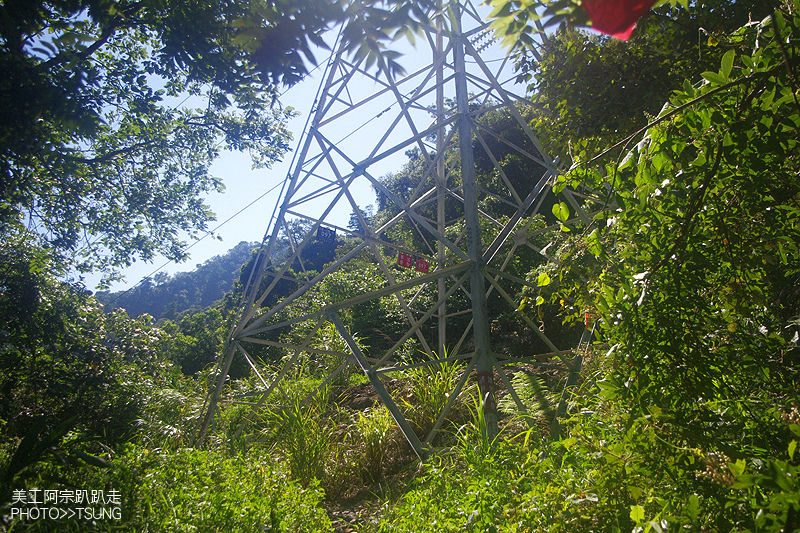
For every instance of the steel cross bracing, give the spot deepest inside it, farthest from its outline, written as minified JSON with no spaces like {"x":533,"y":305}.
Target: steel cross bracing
{"x":434,"y":109}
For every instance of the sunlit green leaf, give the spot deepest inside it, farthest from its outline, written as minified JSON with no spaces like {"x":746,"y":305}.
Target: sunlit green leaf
{"x":561,"y":211}
{"x":693,"y":506}
{"x":593,"y":241}
{"x":714,"y":77}
{"x":727,"y":64}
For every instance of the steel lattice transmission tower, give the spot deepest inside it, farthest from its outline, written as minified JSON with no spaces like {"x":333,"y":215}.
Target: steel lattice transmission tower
{"x":464,"y":253}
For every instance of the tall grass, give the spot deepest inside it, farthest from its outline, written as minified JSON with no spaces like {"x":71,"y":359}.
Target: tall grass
{"x":328,"y":338}
{"x":474,"y":442}
{"x":429,"y":388}
{"x":301,"y":436}
{"x":188,"y":490}
{"x":532,"y":390}
{"x":375,"y":431}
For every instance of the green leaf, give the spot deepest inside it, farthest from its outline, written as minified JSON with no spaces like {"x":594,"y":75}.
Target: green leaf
{"x":694,"y":506}
{"x":502,"y":9}
{"x":738,"y":467}
{"x":714,"y":77}
{"x":626,"y":161}
{"x":780,"y":21}
{"x":569,"y":443}
{"x":637,"y":513}
{"x":561,"y":211}
{"x":608,"y":389}
{"x":727,"y":64}
{"x":635,"y":492}
{"x":593,"y":241}
{"x":544,"y":280}
{"x":792,"y":449}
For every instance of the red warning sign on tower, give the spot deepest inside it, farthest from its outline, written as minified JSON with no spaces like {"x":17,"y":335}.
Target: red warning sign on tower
{"x":405,"y":260}
{"x":422,"y":266}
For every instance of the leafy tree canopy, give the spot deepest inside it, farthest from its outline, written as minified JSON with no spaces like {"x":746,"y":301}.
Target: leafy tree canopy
{"x":595,"y":87}
{"x":693,"y":263}
{"x":112,"y":112}
{"x":69,"y":371}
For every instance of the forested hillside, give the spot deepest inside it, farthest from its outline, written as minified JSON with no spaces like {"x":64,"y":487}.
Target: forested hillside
{"x":684,"y":416}
{"x":167,"y":296}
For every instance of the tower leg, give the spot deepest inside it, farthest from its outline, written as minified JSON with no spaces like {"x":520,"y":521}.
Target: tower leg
{"x":480,"y":328}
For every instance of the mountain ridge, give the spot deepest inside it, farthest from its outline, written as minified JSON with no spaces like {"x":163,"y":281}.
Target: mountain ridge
{"x":166,"y":297}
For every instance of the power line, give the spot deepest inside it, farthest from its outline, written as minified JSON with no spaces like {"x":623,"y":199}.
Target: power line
{"x":221,"y":224}
{"x":198,"y":241}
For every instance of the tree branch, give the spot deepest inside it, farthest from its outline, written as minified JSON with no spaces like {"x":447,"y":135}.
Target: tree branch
{"x":680,"y":108}
{"x":694,"y":207}
{"x":109,"y":156}
{"x":119,"y":22}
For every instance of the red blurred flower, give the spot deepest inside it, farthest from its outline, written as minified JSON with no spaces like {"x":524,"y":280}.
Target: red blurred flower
{"x":616,"y":18}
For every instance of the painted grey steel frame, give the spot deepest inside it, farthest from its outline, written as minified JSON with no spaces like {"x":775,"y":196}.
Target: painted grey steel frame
{"x":325,"y":177}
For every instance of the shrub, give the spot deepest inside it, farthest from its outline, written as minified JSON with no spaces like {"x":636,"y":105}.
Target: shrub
{"x":195,"y":490}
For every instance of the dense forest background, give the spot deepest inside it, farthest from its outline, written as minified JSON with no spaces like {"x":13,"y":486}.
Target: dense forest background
{"x":686,"y":413}
{"x":166,"y":296}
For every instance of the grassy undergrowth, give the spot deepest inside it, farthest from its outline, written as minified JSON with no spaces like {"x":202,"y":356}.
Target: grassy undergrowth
{"x":185,"y":490}
{"x":615,"y":468}
{"x":618,"y":466}
{"x":609,"y":473}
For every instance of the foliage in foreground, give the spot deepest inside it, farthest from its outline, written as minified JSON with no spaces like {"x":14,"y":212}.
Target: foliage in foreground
{"x":612,"y":473}
{"x":186,"y":489}
{"x":90,"y":402}
{"x":69,"y":371}
{"x":693,"y":261}
{"x":688,"y":419}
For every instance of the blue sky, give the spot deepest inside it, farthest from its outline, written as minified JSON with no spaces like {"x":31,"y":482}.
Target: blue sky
{"x":243,"y":185}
